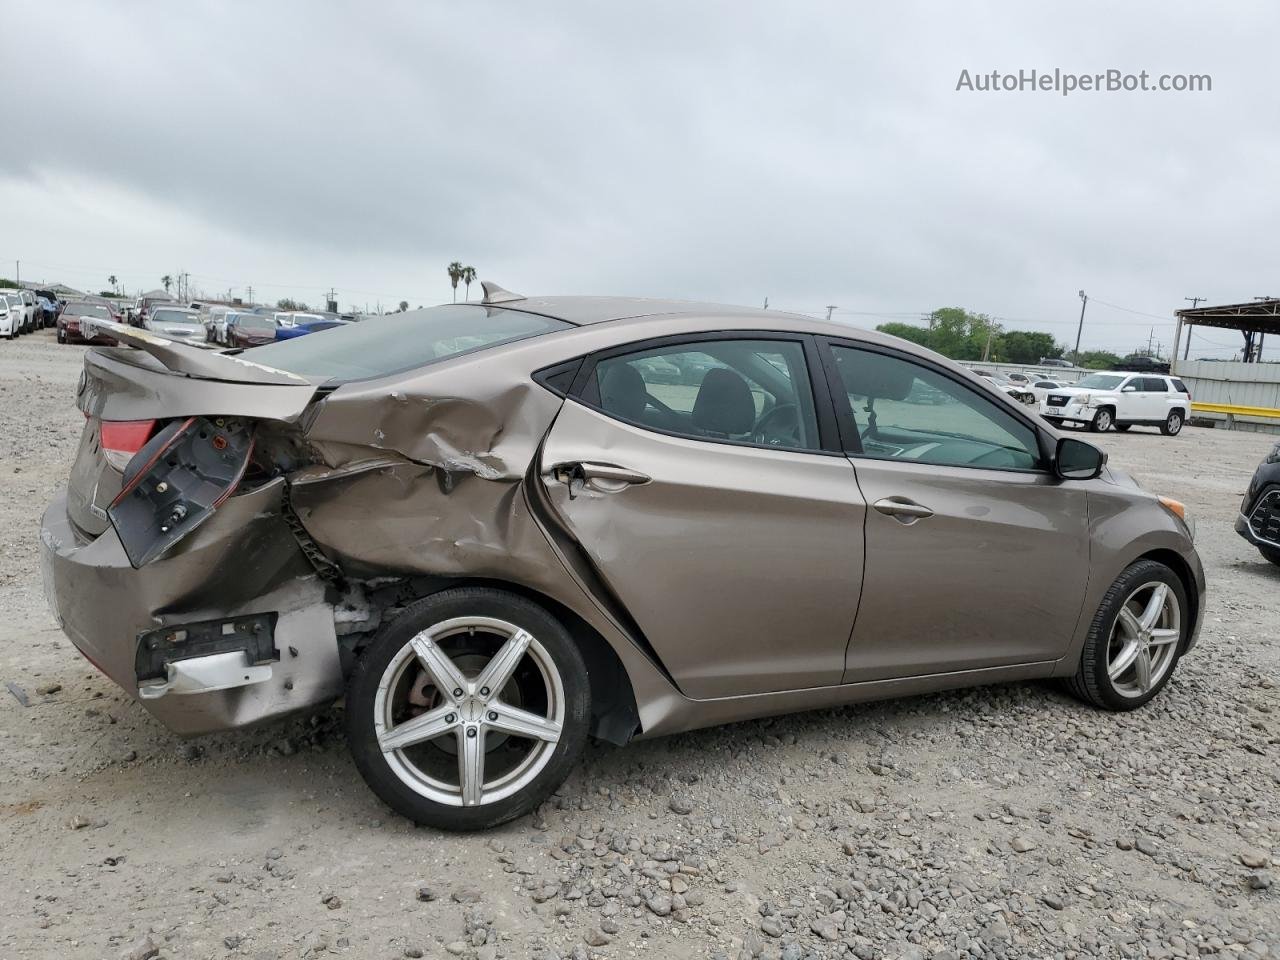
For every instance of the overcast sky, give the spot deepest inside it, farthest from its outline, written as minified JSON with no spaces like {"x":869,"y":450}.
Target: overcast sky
{"x":813,"y":154}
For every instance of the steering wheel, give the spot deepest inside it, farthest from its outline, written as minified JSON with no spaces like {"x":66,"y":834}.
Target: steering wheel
{"x":788,"y":434}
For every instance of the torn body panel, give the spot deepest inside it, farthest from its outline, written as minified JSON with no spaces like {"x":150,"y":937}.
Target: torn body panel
{"x":242,"y":561}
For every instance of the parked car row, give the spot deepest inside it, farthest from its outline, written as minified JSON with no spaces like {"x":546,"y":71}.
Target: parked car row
{"x":26,"y":311}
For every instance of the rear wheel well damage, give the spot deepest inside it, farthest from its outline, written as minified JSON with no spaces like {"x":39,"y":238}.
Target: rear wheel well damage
{"x":615,"y":716}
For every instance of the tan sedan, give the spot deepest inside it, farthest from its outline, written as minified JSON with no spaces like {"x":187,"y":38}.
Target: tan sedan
{"x":502,"y":527}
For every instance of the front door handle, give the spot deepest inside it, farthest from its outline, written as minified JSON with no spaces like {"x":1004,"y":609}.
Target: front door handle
{"x":900,"y":508}
{"x":605,"y":477}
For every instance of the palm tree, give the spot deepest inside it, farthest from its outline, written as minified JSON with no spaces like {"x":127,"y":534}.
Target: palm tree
{"x":404,"y":305}
{"x":112,"y":280}
{"x":468,"y":278}
{"x":167,"y":281}
{"x":455,"y":274}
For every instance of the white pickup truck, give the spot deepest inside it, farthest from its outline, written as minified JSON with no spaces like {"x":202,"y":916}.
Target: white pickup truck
{"x":1101,"y":401}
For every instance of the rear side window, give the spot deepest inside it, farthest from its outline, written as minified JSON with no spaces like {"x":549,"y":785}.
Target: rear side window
{"x":1154,"y":385}
{"x":1180,"y":386}
{"x":389,"y":344}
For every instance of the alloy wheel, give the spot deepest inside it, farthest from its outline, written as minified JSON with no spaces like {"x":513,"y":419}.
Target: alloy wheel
{"x":469,"y":711}
{"x":1144,"y":639}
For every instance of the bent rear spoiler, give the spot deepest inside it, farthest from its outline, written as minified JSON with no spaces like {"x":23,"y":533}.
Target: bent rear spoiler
{"x":193,"y":361}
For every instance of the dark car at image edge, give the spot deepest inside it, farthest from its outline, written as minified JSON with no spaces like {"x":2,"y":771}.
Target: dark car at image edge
{"x":1259,"y":517}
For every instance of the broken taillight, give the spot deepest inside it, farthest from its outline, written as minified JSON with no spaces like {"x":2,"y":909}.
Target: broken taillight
{"x":121,"y":439}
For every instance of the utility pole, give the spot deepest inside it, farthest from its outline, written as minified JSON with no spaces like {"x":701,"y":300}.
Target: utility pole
{"x":986,"y":351}
{"x":1084,"y":302}
{"x":17,"y":273}
{"x":249,"y":291}
{"x":830,"y":307}
{"x":1195,"y":301}
{"x":766,"y":304}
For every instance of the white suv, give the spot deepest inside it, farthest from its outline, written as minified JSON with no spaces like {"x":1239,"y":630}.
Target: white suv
{"x":1103,"y":400}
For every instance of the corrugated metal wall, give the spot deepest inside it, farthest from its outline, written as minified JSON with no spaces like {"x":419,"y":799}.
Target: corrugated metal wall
{"x":1229,"y":381}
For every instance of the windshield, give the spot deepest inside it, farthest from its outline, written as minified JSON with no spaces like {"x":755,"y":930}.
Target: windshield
{"x":88,"y":310}
{"x":162,"y":315}
{"x":1100,"y":381}
{"x":402,"y":341}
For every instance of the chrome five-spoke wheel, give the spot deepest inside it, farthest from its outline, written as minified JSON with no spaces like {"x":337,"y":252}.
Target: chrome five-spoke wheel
{"x":1144,"y":639}
{"x":451,"y":717}
{"x":468,"y":708}
{"x":1135,"y":638}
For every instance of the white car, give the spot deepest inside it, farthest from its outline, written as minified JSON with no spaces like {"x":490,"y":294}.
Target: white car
{"x":1103,"y":400}
{"x":10,"y":316}
{"x":176,"y":323}
{"x":27,"y":300}
{"x":1041,"y":387}
{"x":1017,"y":391}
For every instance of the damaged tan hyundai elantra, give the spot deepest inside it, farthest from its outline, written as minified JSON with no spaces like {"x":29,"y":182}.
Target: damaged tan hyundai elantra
{"x":499,"y":527}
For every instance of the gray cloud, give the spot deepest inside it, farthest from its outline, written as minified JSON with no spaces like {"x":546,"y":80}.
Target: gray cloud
{"x":811,"y":153}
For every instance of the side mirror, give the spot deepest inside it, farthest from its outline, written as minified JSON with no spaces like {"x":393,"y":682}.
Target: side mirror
{"x":1131,"y":388}
{"x":1077,"y":460}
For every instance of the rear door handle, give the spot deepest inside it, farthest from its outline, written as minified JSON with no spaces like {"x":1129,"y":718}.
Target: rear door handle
{"x":900,"y":508}
{"x":605,"y":477}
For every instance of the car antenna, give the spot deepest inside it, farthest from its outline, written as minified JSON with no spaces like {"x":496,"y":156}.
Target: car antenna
{"x":496,"y":294}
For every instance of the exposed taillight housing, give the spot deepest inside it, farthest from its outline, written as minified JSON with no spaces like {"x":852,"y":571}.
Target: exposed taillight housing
{"x":121,"y":439}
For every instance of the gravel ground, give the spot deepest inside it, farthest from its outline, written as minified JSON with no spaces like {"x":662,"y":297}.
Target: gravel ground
{"x":1008,"y":821}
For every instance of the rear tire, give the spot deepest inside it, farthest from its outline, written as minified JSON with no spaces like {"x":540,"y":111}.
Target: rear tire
{"x":1172,"y":425}
{"x":1124,"y":625}
{"x":1102,"y":420}
{"x":464,"y":634}
{"x":1123,"y":427}
{"x":1270,"y":554}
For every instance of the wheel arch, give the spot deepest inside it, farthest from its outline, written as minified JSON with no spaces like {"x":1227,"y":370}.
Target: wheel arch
{"x":1175,"y":562}
{"x":615,"y":716}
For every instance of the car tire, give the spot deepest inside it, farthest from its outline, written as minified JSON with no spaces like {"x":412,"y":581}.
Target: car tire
{"x":1172,"y":425}
{"x":1055,"y":421}
{"x":1123,"y":427}
{"x":1103,"y":678}
{"x":1102,"y":420}
{"x":62,"y":336}
{"x":468,"y":630}
{"x":1268,"y":553}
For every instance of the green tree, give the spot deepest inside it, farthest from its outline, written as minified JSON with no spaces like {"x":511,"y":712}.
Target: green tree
{"x":1027,"y":346}
{"x":404,"y":305}
{"x":1098,"y":360}
{"x":290,"y":304}
{"x":167,"y":281}
{"x":920,"y":335}
{"x":455,"y":274}
{"x":468,"y":278}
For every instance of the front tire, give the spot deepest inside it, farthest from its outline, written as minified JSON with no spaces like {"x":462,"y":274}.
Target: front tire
{"x":468,"y":709}
{"x":1172,"y":425}
{"x":1123,"y":427}
{"x":1269,"y":553}
{"x":1135,"y":639}
{"x":1102,"y":420}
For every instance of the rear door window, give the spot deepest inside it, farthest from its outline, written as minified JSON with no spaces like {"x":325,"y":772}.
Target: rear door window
{"x":1180,"y":386}
{"x":755,"y":392}
{"x":1154,"y":385}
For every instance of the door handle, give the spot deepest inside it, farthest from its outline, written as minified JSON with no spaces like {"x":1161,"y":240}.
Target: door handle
{"x":900,"y":508}
{"x":605,"y":477}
